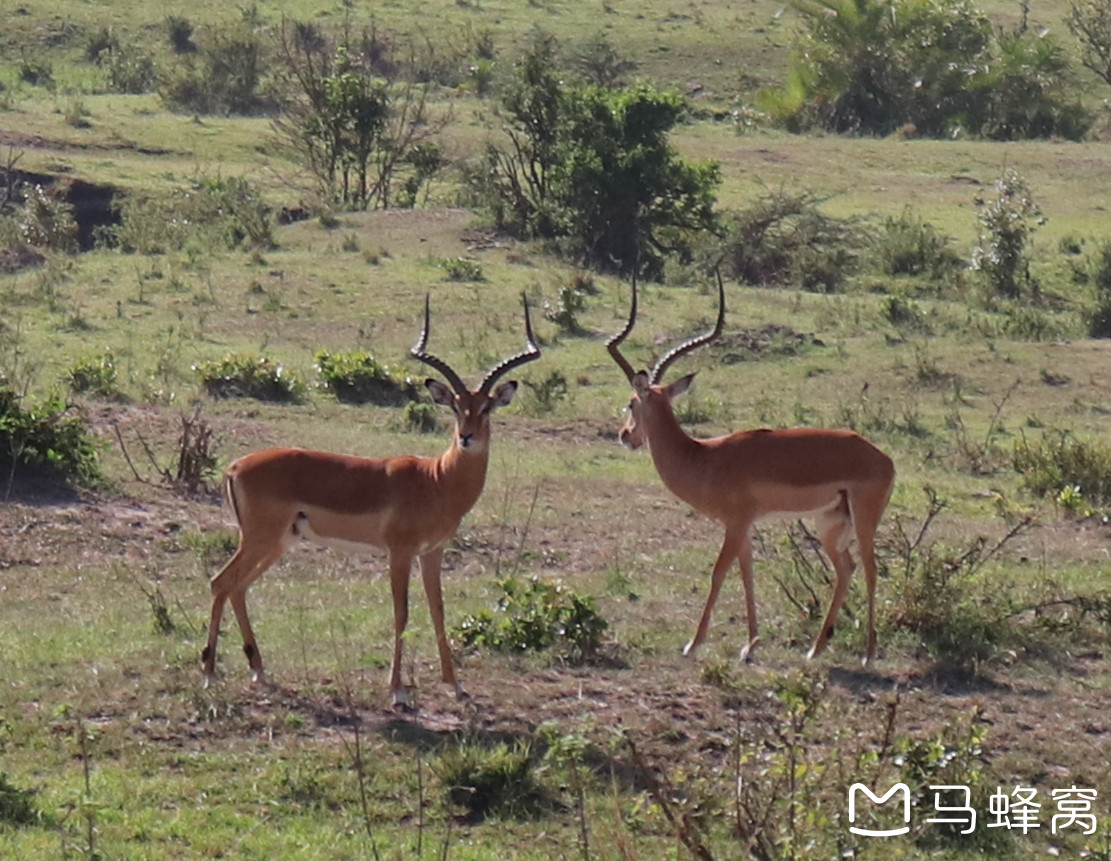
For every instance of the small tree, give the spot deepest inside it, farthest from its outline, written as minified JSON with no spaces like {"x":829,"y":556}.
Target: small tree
{"x":351,"y":127}
{"x":1006,"y":222}
{"x":593,"y":168}
{"x":1090,"y":22}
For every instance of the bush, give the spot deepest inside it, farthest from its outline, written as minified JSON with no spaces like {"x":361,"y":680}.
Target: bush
{"x":219,"y":212}
{"x":536,"y":616}
{"x":96,"y":377}
{"x":785,"y":239}
{"x":130,"y":70}
{"x":1060,"y":461}
{"x":1006,"y":222}
{"x":593,"y":170}
{"x":462,"y":269}
{"x":223,"y":77}
{"x":420,"y":416}
{"x":907,"y":245}
{"x":359,"y":378}
{"x":44,"y":439}
{"x":938,"y":68}
{"x":47,"y":221}
{"x":244,"y":376}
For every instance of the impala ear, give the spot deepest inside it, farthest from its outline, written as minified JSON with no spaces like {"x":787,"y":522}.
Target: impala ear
{"x":441,"y":394}
{"x":503,"y":394}
{"x":679,"y":386}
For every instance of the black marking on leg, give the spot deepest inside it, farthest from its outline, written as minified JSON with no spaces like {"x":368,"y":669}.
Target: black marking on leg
{"x":206,"y":655}
{"x":829,"y":632}
{"x":251,"y":652}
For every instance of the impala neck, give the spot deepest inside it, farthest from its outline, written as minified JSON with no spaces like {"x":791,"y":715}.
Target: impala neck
{"x":463,"y":470}
{"x":674,"y":452}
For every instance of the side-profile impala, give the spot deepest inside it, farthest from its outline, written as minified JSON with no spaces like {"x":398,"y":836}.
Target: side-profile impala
{"x":836,"y":477}
{"x":409,"y":506}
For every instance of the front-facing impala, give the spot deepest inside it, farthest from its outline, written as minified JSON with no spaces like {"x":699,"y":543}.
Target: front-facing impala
{"x":409,"y":506}
{"x":834,"y":476}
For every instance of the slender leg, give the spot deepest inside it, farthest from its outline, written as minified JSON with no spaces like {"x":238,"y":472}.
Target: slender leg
{"x":430,"y":574}
{"x":834,"y":535}
{"x":400,"y":565}
{"x":744,"y":557}
{"x":238,"y":600}
{"x":733,"y":544}
{"x":232,"y":582}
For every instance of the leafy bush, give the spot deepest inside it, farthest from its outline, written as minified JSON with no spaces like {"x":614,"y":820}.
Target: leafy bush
{"x":1060,"y":461}
{"x":224,"y":76}
{"x":546,"y":394}
{"x":593,"y":170}
{"x":874,"y":66}
{"x":245,"y":376}
{"x":359,"y":378}
{"x":785,"y":239}
{"x":535,"y":616}
{"x":46,"y":221}
{"x":462,"y":269}
{"x":907,"y":245}
{"x":130,"y":70}
{"x":43,"y":438}
{"x":212,"y":212}
{"x":420,"y":416}
{"x":95,"y":377}
{"x":1006,"y":222}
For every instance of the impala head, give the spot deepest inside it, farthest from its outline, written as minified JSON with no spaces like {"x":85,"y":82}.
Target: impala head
{"x":648,"y":392}
{"x":472,"y":409}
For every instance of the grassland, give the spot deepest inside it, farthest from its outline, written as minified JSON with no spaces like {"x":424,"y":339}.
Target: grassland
{"x":994,"y":667}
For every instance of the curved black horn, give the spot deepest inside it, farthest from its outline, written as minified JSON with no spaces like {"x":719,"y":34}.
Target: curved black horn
{"x":530,"y":353}
{"x":657,"y":372}
{"x":418,"y":352}
{"x":614,"y":342}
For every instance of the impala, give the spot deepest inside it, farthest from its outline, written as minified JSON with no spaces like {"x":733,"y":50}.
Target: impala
{"x":836,"y":477}
{"x":409,"y":506}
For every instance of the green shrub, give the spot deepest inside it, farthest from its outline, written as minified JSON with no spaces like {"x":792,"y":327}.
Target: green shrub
{"x":535,"y":616}
{"x":420,"y":416}
{"x":45,"y":439}
{"x":224,"y":76}
{"x":907,"y":245}
{"x":1060,"y":461}
{"x":359,"y":378}
{"x":46,"y":221}
{"x":130,"y":70}
{"x":220,"y":212}
{"x":245,"y":376}
{"x":96,"y":377}
{"x":786,"y":240}
{"x":1006,"y":223}
{"x":462,"y":269}
{"x":545,"y":395}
